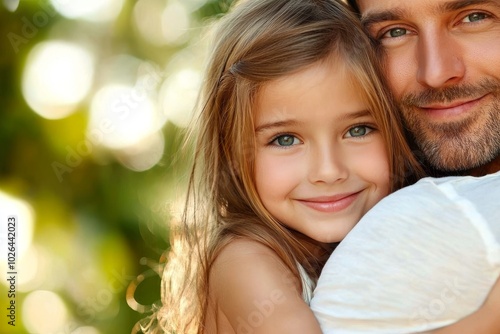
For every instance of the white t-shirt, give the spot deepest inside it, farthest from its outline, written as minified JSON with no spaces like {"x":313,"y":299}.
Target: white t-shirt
{"x":424,"y":257}
{"x":307,"y":285}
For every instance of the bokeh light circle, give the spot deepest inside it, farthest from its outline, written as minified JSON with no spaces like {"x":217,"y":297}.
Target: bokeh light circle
{"x":58,"y":75}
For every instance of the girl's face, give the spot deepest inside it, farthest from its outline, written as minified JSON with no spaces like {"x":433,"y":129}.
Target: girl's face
{"x":321,"y":162}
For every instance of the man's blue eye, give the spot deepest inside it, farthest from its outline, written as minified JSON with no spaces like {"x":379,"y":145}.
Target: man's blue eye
{"x":397,"y":32}
{"x":285,"y":140}
{"x":474,"y":17}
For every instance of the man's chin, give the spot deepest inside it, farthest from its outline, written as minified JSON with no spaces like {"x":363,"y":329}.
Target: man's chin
{"x":458,"y":164}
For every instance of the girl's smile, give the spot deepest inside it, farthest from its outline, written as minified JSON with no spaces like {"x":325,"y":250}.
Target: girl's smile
{"x":333,"y":203}
{"x":321,"y":161}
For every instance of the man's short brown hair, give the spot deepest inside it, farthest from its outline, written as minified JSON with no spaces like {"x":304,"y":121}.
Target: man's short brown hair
{"x":354,"y":5}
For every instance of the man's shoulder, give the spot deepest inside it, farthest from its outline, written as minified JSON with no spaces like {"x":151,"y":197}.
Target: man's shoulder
{"x":465,"y":186}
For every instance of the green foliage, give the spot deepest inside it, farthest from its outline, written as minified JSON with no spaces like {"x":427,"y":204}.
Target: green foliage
{"x":95,"y":220}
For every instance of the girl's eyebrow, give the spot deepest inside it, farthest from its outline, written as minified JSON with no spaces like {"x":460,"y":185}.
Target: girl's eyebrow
{"x":276,"y":124}
{"x":355,"y":115}
{"x":291,"y":122}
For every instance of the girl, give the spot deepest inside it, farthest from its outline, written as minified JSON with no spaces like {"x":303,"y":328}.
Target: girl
{"x":295,"y":142}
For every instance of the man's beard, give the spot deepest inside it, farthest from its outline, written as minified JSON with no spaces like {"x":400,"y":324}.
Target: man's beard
{"x":460,"y":145}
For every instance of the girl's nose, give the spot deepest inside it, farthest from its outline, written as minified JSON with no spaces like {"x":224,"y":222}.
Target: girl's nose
{"x":327,"y":166}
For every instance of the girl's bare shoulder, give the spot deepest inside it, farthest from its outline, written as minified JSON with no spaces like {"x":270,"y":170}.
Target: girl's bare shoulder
{"x":247,"y":263}
{"x":249,"y":282}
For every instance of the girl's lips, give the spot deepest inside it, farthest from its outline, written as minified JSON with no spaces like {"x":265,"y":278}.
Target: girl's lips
{"x":330,"y":204}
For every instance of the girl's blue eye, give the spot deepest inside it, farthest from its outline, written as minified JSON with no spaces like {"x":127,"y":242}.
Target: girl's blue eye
{"x":285,"y":140}
{"x":358,"y":131}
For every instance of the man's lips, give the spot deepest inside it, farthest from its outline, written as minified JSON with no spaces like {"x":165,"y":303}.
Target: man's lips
{"x":451,"y":109}
{"x":334,"y":203}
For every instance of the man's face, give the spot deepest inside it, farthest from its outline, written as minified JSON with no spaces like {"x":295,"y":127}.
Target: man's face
{"x":443,"y":65}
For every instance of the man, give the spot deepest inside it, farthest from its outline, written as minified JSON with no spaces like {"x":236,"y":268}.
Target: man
{"x":442,"y":63}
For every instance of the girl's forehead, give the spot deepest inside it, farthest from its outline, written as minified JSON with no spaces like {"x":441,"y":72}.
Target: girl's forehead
{"x":320,"y":94}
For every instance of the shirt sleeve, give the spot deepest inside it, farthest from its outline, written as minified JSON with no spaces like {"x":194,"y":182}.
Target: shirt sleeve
{"x":424,"y":257}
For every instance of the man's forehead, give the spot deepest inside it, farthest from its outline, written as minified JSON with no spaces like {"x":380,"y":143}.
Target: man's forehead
{"x":378,"y":5}
{"x":369,"y":6}
{"x":376,"y":11}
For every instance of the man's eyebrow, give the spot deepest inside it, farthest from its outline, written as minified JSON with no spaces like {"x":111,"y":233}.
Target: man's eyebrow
{"x":397,"y":14}
{"x":276,"y":124}
{"x":456,"y":5}
{"x":376,"y":17}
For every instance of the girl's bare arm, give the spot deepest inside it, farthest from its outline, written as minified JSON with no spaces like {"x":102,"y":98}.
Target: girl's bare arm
{"x":257,"y":293}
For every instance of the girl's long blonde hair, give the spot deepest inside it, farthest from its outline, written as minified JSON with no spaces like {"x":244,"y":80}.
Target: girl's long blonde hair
{"x":256,"y":42}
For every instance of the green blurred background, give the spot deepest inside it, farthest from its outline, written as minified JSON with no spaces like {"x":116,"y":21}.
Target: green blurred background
{"x":94,"y":97}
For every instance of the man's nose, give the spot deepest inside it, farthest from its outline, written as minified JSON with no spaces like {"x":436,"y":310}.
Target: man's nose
{"x":440,"y":61}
